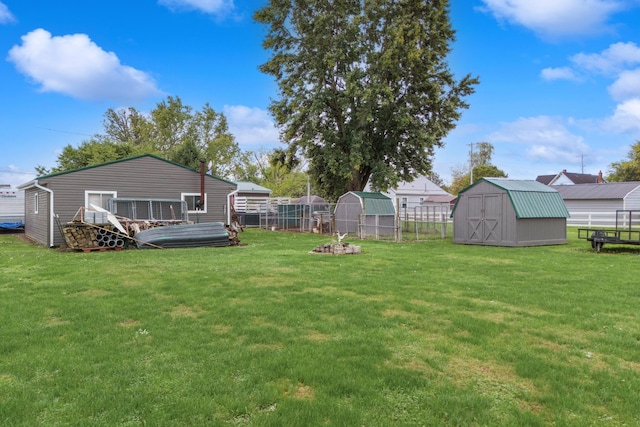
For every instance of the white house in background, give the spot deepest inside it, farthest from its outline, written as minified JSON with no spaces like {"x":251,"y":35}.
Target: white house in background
{"x":413,"y":194}
{"x":570,"y":178}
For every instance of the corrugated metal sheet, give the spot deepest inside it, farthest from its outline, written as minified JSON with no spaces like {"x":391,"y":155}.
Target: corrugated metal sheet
{"x":612,"y":190}
{"x":376,"y":203}
{"x":532,"y":199}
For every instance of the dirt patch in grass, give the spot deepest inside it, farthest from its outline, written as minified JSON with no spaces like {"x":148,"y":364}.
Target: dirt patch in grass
{"x":130,"y":323}
{"x":7,"y":379}
{"x":185,"y":311}
{"x":304,"y":392}
{"x":318,"y":336}
{"x":57,"y":321}
{"x":221,"y":329}
{"x":492,"y":379}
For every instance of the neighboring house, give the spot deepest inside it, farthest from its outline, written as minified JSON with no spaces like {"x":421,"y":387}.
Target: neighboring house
{"x":596,"y":204}
{"x":365,"y":213}
{"x":11,"y":204}
{"x":506,"y":212}
{"x":569,"y":178}
{"x":249,"y":189}
{"x":412,"y":194}
{"x":249,"y":200}
{"x":55,"y":199}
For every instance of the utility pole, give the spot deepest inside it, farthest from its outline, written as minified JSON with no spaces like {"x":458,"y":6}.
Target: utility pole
{"x":471,"y":163}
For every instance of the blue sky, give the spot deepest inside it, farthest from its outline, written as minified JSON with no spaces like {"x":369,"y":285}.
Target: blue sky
{"x":559,"y":79}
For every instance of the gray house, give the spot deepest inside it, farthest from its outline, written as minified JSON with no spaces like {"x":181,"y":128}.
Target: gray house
{"x":144,"y":177}
{"x":505,"y":212}
{"x":596,"y":204}
{"x":365,"y":213}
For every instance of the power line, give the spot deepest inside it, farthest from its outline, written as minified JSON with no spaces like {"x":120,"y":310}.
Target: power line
{"x":62,"y":131}
{"x":16,"y":172}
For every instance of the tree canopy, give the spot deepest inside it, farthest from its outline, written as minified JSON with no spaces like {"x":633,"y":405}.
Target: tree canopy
{"x":365,"y":92}
{"x":626,"y":170}
{"x":171,"y":130}
{"x":482,"y":168}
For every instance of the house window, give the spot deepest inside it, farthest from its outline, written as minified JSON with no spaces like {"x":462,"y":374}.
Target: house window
{"x":36,"y":202}
{"x":404,"y":203}
{"x":192,"y":200}
{"x":98,"y":198}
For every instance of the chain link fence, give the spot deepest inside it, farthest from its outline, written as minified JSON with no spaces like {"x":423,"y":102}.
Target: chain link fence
{"x":417,"y":222}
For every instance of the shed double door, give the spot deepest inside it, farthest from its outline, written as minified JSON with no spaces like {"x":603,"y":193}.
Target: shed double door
{"x":484,"y":218}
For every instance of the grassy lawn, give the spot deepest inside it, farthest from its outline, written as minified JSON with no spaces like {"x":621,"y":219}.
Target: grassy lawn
{"x":426,"y":333}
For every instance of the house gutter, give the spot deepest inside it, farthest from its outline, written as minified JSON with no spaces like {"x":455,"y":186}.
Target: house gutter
{"x":35,"y":184}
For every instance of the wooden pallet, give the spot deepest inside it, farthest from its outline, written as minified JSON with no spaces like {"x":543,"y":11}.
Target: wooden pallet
{"x":101,"y":249}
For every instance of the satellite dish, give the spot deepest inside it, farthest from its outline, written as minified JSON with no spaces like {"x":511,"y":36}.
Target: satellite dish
{"x":209,"y":166}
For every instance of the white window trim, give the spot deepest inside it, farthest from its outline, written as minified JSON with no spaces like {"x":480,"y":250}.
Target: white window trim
{"x":182,"y":196}
{"x":36,"y":202}
{"x":113,"y":194}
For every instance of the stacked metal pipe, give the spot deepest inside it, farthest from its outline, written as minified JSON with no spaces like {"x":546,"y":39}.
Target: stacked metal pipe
{"x":108,"y":239}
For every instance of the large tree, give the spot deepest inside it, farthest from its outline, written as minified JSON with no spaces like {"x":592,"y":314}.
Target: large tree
{"x":364,"y":88}
{"x":626,"y":170}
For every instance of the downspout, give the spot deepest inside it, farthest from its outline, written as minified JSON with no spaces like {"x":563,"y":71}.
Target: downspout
{"x":51,"y":225}
{"x":229,"y":205}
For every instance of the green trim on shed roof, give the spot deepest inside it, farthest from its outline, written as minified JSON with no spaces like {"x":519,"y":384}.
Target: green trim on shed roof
{"x":530,"y":199}
{"x":131,"y":158}
{"x":376,"y":203}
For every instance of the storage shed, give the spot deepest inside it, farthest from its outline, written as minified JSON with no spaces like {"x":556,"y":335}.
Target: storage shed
{"x":507,"y":212}
{"x":365,"y":213}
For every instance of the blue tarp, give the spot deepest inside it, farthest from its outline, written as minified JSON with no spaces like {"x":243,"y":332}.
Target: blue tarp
{"x":12,"y":225}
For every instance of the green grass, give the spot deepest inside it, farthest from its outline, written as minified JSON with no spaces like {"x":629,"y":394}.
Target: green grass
{"x":267,"y":334}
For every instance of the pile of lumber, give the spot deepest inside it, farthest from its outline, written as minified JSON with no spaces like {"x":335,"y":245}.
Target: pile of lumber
{"x":80,"y":235}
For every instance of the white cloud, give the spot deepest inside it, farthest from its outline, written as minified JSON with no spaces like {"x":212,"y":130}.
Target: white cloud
{"x":5,"y":14}
{"x":547,"y":139}
{"x":213,"y":7}
{"x":610,"y":61}
{"x":627,"y":86}
{"x":562,"y":73}
{"x":251,"y":126}
{"x":626,"y":118}
{"x":74,"y":65}
{"x":553,"y":18}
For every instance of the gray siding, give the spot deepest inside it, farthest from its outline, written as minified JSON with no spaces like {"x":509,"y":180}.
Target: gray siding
{"x":484,"y":215}
{"x":632,"y":201}
{"x":145,"y":177}
{"x":37,"y":226}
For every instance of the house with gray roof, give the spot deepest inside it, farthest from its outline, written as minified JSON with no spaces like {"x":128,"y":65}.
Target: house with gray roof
{"x":570,"y":178}
{"x":596,"y":204}
{"x":55,"y":199}
{"x":508,"y":212}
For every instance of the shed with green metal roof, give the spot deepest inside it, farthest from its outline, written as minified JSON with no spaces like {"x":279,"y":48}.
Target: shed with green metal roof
{"x":509,"y":212}
{"x":365,"y":214}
